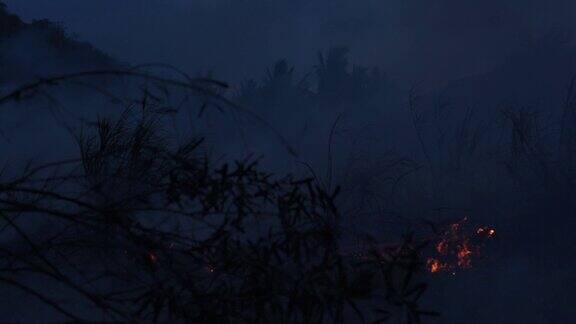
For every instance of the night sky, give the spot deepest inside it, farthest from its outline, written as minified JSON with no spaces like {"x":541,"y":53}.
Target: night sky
{"x":477,"y":67}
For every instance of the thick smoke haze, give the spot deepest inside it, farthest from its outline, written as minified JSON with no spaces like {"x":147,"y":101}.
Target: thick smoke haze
{"x":490,"y":79}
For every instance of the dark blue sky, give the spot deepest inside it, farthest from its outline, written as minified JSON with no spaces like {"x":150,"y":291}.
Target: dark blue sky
{"x":412,"y":40}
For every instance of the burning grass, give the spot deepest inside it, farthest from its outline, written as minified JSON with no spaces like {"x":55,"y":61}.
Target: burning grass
{"x":458,"y":247}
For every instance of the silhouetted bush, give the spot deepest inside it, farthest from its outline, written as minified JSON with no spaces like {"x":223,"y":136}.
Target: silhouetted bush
{"x":140,"y":227}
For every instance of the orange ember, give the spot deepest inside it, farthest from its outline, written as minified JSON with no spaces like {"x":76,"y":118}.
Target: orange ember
{"x":152,"y":257}
{"x":464,"y":255}
{"x":441,"y":247}
{"x":434,"y":265}
{"x":490,"y":232}
{"x":456,"y":247}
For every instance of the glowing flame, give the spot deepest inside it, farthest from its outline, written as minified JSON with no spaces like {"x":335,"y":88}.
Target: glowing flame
{"x":435,"y":265}
{"x":456,"y":248}
{"x":464,"y":255}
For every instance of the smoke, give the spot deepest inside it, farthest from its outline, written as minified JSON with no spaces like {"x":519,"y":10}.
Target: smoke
{"x":415,"y":40}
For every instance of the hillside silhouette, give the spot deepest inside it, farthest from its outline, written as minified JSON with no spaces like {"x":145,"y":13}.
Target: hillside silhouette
{"x":33,"y":49}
